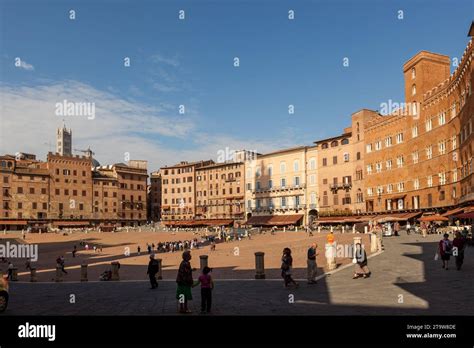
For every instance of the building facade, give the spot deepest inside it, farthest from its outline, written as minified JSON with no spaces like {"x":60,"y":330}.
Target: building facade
{"x":341,"y":168}
{"x":418,"y":158}
{"x":220,"y":191}
{"x":282,"y":183}
{"x":179,"y":190}
{"x":154,"y":195}
{"x":71,"y":191}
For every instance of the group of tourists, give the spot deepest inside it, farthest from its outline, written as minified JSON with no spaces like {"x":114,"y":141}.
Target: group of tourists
{"x":170,"y":247}
{"x":456,"y":248}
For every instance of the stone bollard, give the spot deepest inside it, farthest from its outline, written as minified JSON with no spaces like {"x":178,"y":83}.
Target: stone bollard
{"x":373,"y":243}
{"x":33,"y":278}
{"x":115,"y":271}
{"x":331,"y":229}
{"x":259,"y":265}
{"x":343,"y":229}
{"x":353,"y":228}
{"x":366,"y":229}
{"x":160,"y":270}
{"x":203,"y":261}
{"x":59,"y":274}
{"x":319,"y":229}
{"x":14,"y":274}
{"x":331,"y":256}
{"x":84,"y":272}
{"x":296,"y":228}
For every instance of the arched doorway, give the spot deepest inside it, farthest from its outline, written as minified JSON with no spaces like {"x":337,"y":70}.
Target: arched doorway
{"x":312,"y":216}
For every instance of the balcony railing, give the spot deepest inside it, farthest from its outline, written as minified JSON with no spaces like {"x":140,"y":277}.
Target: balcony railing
{"x":279,"y":188}
{"x":341,"y":185}
{"x":279,"y":207}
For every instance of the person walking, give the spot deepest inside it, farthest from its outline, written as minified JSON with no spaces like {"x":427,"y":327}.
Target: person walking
{"x":74,"y":251}
{"x":396,"y":228}
{"x":10,"y":270}
{"x":408,"y":227}
{"x":423,"y":229}
{"x":28,"y":264}
{"x":287,"y":268}
{"x":138,"y":250}
{"x":360,"y":258}
{"x":207,"y":285}
{"x":185,"y":282}
{"x":459,"y":244}
{"x":312,"y":266}
{"x":61,"y":262}
{"x":152,"y":271}
{"x":445,"y":248}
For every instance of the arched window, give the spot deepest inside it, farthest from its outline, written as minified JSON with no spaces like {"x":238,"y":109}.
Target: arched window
{"x":296,"y":166}
{"x":334,"y":143}
{"x":345,"y":141}
{"x":413,"y":90}
{"x":413,"y":73}
{"x":324,"y":146}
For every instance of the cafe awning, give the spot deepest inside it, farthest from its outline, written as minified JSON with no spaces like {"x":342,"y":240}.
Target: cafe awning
{"x":274,"y":220}
{"x":71,"y":223}
{"x":433,"y":218}
{"x":453,"y":212}
{"x":14,"y":222}
{"x":469,"y":215}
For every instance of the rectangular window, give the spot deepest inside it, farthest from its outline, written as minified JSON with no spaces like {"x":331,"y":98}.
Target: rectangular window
{"x":442,"y":147}
{"x":388,"y":164}
{"x":400,"y":161}
{"x":430,"y":181}
{"x":346,"y":157}
{"x":296,"y":181}
{"x":416,"y":184}
{"x":325,"y":162}
{"x":378,"y":145}
{"x":334,"y":160}
{"x":399,"y":138}
{"x":429,"y":125}
{"x":429,"y":152}
{"x":368,"y":148}
{"x":414,"y":157}
{"x":442,"y":118}
{"x":369,"y":169}
{"x":414,"y":131}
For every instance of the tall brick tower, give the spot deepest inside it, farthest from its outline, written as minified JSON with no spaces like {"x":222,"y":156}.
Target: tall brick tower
{"x":64,"y":141}
{"x":423,"y":72}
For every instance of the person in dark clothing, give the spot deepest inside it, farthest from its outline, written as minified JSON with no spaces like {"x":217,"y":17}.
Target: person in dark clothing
{"x":459,"y":244}
{"x":74,"y":251}
{"x":361,"y":269}
{"x":207,"y":284}
{"x":152,"y":271}
{"x":185,"y":282}
{"x":287,"y":268}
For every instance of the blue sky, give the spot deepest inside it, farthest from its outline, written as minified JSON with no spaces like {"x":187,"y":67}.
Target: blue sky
{"x":190,"y":62}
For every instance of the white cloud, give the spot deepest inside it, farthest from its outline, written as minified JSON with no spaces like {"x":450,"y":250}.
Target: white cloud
{"x":26,"y":66}
{"x":28,"y":124}
{"x":160,"y":59}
